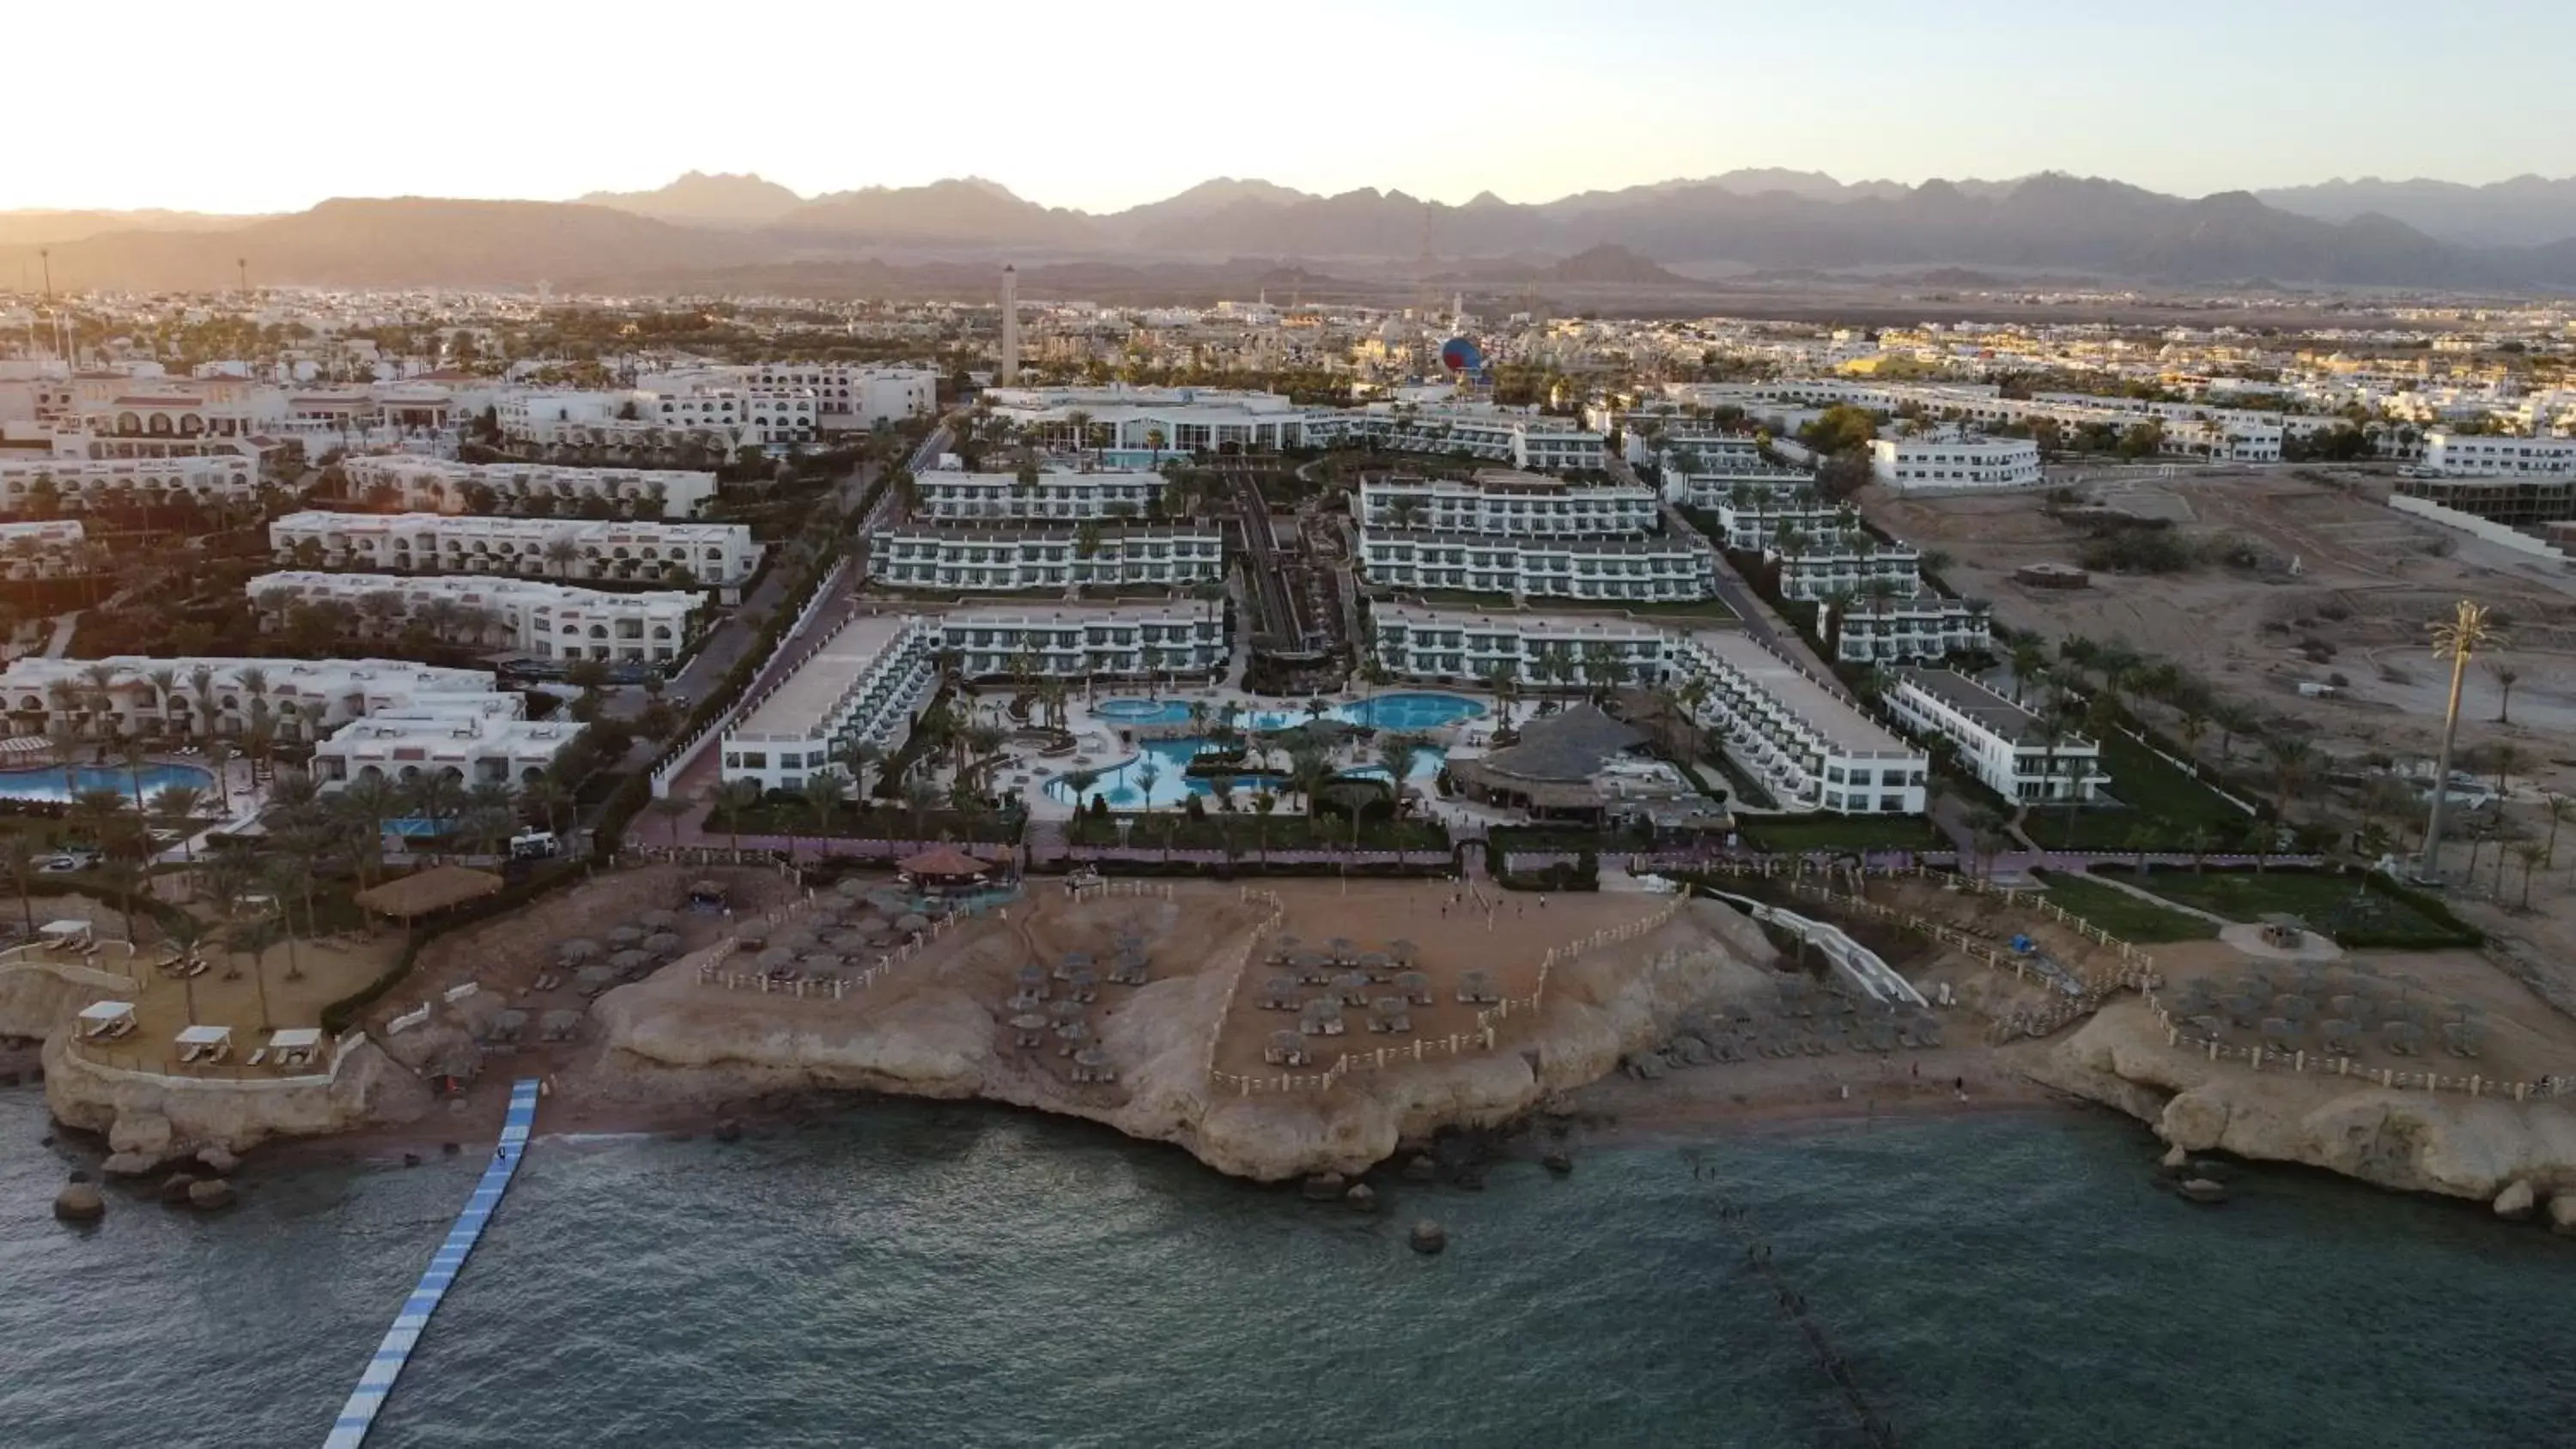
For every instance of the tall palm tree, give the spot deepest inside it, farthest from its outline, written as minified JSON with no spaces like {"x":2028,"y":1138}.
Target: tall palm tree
{"x":18,"y":863}
{"x":920,"y":797}
{"x":252,"y":938}
{"x":733,"y":798}
{"x":178,"y":805}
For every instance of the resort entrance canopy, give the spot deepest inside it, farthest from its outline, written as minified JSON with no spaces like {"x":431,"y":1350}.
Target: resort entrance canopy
{"x":428,"y":891}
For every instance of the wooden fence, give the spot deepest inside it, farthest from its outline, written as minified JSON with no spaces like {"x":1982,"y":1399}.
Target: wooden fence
{"x":2335,"y":1065}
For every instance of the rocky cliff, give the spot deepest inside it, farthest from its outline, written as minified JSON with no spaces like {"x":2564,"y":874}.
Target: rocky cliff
{"x":151,"y":1119}
{"x":670,"y":1040}
{"x":2409,"y":1140}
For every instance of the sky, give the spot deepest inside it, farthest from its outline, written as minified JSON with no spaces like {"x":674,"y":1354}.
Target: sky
{"x":273,"y":105}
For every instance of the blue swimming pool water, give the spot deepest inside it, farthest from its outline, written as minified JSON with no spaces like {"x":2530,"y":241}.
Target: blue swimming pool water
{"x":46,"y":782}
{"x":1402,"y":710}
{"x":1125,"y":786}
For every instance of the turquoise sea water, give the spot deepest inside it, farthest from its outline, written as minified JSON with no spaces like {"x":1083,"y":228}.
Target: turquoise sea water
{"x":906,"y":1274}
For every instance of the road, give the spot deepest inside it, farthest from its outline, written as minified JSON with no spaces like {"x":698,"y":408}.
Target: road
{"x":1278,"y":611}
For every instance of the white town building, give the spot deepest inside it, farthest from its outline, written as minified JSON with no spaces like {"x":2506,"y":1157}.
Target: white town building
{"x":1926,"y":465}
{"x":851,"y":396}
{"x":514,"y":753}
{"x":1537,"y":650}
{"x":2005,"y":745}
{"x":2460,"y":455}
{"x":47,"y":548}
{"x":1830,"y":562}
{"x":200,"y":698}
{"x":438,"y":485}
{"x":1095,"y":641}
{"x":1809,"y":746}
{"x":1052,"y":559}
{"x":712,"y":555}
{"x":59,"y":484}
{"x":549,"y":621}
{"x":1924,"y":626}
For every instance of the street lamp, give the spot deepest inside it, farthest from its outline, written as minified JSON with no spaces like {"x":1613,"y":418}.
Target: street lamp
{"x":2457,"y":639}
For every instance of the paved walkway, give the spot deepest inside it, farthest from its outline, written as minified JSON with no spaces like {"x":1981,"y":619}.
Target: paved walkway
{"x":358,"y":1415}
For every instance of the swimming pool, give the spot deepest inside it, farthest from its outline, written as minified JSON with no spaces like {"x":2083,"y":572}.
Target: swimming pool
{"x":1126,"y":788}
{"x":1406,"y":710}
{"x":45,"y":782}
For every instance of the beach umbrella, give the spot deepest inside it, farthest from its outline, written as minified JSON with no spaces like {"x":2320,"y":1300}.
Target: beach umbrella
{"x":593,"y":978}
{"x":1025,"y":1001}
{"x":576,"y":950}
{"x":1415,"y":986}
{"x":1287,"y":943}
{"x":849,"y":888}
{"x":508,"y":1025}
{"x":1033,"y":975}
{"x":1353,"y":987}
{"x":706,"y":890}
{"x":623,"y":937}
{"x":911,"y":921}
{"x":753,"y":936}
{"x":658,"y":920}
{"x":776,"y":958}
{"x":663,"y":943}
{"x":1091,"y":1059}
{"x":559,"y":1025}
{"x":1285,"y":1046}
{"x":1074,"y":1031}
{"x":627,"y":962}
{"x":1341,"y":947}
{"x":1066,"y":1010}
{"x":823,"y":960}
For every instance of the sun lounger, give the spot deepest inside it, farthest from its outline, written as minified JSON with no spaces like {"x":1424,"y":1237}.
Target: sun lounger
{"x":217,"y":1053}
{"x":260,"y":1054}
{"x":190,"y":1054}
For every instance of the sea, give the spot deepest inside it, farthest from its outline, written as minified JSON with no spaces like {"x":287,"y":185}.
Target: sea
{"x":906,"y":1274}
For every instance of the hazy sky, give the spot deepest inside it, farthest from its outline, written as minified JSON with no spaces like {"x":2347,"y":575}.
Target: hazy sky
{"x":266,"y":105}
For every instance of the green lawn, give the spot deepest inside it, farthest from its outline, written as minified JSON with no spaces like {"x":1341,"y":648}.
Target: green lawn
{"x":2124,"y":915}
{"x":1792,"y":833}
{"x":2170,"y":803}
{"x":2352,"y":909}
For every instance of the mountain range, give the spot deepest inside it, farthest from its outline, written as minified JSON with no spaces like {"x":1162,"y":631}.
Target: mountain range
{"x":2516,"y":235}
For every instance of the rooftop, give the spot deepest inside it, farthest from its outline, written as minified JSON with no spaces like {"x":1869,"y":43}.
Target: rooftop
{"x":1991,"y":711}
{"x":795,"y":710}
{"x":1837,"y":719}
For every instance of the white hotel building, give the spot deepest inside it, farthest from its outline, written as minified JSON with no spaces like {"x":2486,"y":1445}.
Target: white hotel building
{"x":2004,"y":744}
{"x":1467,"y":645}
{"x":48,"y":548}
{"x":210,"y":478}
{"x":1715,"y":490}
{"x":1661,"y":568}
{"x":1809,"y":747}
{"x":1929,"y":465}
{"x":1519,"y":505}
{"x":1927,"y":625}
{"x":1133,"y":419}
{"x":1749,"y":515}
{"x":549,"y":621}
{"x":952,"y":495}
{"x":711,"y":555}
{"x":437,"y":485}
{"x":203,"y":697}
{"x":850,"y":397}
{"x":398,"y":749}
{"x":860,"y":686}
{"x":1829,"y":563}
{"x":1053,"y":559}
{"x":1523,"y":438}
{"x":1131,"y":641}
{"x":2460,"y":455}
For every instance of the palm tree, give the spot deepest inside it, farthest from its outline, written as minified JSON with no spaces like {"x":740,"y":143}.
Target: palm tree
{"x":547,"y":799}
{"x":1263,"y":802}
{"x":1308,"y":769}
{"x":178,"y":805}
{"x":671,"y":808}
{"x":919,"y":798}
{"x":2292,"y":759}
{"x":252,"y":938}
{"x":2533,"y":856}
{"x":2506,"y":677}
{"x":18,"y":862}
{"x":434,"y":797}
{"x":1148,"y":775}
{"x":733,"y":797}
{"x":1080,"y":783}
{"x":287,"y":876}
{"x":822,"y":798}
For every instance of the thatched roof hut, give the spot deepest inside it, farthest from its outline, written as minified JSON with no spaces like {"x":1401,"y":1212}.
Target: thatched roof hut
{"x":427,"y":892}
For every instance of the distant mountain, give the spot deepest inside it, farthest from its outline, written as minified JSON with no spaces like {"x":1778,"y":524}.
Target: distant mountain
{"x":967,"y":212}
{"x":44,"y":228}
{"x":698,"y":198}
{"x":2525,"y":211}
{"x":398,"y":241}
{"x":1790,"y":222}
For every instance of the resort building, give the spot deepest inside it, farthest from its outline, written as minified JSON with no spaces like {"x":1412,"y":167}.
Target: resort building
{"x":1752,"y":514}
{"x":712,"y":555}
{"x":1666,"y":568}
{"x":49,"y":548}
{"x":1808,"y":746}
{"x":2514,"y":501}
{"x":1143,"y":422}
{"x":1833,"y":562}
{"x":2007,"y":746}
{"x":1534,"y":650}
{"x":1924,"y":465}
{"x":1752,"y":489}
{"x":1925,"y":626}
{"x":851,"y":397}
{"x":770,"y":417}
{"x":548,"y":621}
{"x":510,"y":752}
{"x":1052,"y":559}
{"x":1133,"y":641}
{"x":438,"y":485}
{"x":1495,"y":501}
{"x":860,"y":686}
{"x":2460,"y":455}
{"x":1522,"y":437}
{"x":951,"y":495}
{"x":197,"y":698}
{"x":57,"y":484}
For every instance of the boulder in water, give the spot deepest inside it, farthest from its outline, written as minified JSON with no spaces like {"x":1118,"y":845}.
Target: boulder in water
{"x":218,"y":1161}
{"x":729,"y":1130}
{"x":2562,"y":1213}
{"x":1558,"y":1163}
{"x":1325,"y":1187}
{"x":210,"y":1193}
{"x":2203,"y":1190}
{"x":2174,"y":1162}
{"x":79,"y":1203}
{"x":174,"y":1188}
{"x":128,"y":1164}
{"x":1429,"y":1237}
{"x":411,"y":1159}
{"x":1362,"y":1198}
{"x":2516,"y":1201}
{"x":1420,"y":1167}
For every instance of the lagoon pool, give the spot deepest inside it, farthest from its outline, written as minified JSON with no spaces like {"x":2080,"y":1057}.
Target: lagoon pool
{"x":46,"y":782}
{"x":1405,"y":710}
{"x":1169,"y":759}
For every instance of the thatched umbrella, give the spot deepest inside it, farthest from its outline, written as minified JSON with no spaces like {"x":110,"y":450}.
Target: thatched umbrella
{"x":1032,"y":977}
{"x":849,"y":888}
{"x":627,"y":963}
{"x":1073,"y":1031}
{"x":622,"y":938}
{"x":706,"y":890}
{"x":776,"y":958}
{"x":559,"y":1025}
{"x":1286,"y":1048}
{"x":1352,"y":987}
{"x":1341,"y":947}
{"x":1025,"y":1001}
{"x":658,"y":920}
{"x":795,"y":938}
{"x":1309,"y":965}
{"x":1322,"y":1017}
{"x":1286,"y":942}
{"x":1279,"y":993}
{"x":1389,"y":1013}
{"x":1066,"y":1011}
{"x":594,"y":978}
{"x":1029,"y":1029}
{"x":508,"y":1025}
{"x":823,"y":960}
{"x":663,"y":943}
{"x":1415,"y":986}
{"x":1376,"y":963}
{"x":576,"y":950}
{"x":911,"y":921}
{"x":1476,"y":987}
{"x":752,"y":936}
{"x":852,"y":941}
{"x":1404,"y":951}
{"x":1093,"y":1064}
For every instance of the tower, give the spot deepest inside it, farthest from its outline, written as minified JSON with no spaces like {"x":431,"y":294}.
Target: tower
{"x":1010,"y":325}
